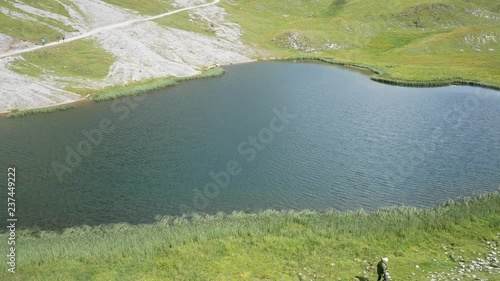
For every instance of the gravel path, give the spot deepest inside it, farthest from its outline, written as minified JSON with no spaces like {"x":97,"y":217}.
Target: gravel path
{"x":142,"y":49}
{"x":106,"y":28}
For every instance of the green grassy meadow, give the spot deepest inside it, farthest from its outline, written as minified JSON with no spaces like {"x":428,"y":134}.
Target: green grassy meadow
{"x":81,"y":58}
{"x":419,"y":42}
{"x":271,"y":245}
{"x":33,"y":27}
{"x":52,"y":6}
{"x":186,"y":22}
{"x":146,"y":86}
{"x":151,"y":7}
{"x":26,"y":112}
{"x":405,"y":40}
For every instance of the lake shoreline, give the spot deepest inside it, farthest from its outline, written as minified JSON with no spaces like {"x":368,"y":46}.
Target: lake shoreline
{"x":124,"y":90}
{"x":376,"y":76}
{"x":416,"y":240}
{"x":381,"y":77}
{"x":343,"y":105}
{"x":196,"y":216}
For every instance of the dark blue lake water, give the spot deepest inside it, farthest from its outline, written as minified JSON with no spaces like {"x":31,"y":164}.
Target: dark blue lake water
{"x":264,"y":136}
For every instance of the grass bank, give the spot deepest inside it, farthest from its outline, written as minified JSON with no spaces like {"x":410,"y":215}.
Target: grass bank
{"x":271,"y":245}
{"x":26,"y":112}
{"x":143,"y":87}
{"x":80,"y":59}
{"x":120,"y":91}
{"x":427,"y":42}
{"x":387,"y":79}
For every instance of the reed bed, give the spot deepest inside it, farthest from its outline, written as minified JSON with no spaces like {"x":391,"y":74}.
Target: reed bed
{"x":144,"y":87}
{"x":386,"y":79}
{"x":277,"y":237}
{"x":26,"y":112}
{"x":121,"y":91}
{"x":435,"y":83}
{"x":342,"y":63}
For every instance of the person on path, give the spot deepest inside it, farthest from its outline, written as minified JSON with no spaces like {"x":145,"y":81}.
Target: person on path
{"x":382,"y":269}
{"x":43,"y":40}
{"x":63,"y":37}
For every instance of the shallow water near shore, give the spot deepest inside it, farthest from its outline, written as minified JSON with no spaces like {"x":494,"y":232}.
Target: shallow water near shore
{"x":276,"y":135}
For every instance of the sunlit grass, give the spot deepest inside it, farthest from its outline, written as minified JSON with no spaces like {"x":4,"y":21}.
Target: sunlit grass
{"x":270,"y":245}
{"x":384,"y":77}
{"x":146,"y":86}
{"x":82,"y":58}
{"x":25,"y":30}
{"x":188,"y":23}
{"x":151,"y":7}
{"x":26,"y":112}
{"x":52,"y":6}
{"x":381,"y":34}
{"x":40,"y":26}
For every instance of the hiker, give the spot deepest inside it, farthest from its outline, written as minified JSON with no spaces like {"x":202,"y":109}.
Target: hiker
{"x":382,"y":269}
{"x":63,"y":37}
{"x":43,"y":40}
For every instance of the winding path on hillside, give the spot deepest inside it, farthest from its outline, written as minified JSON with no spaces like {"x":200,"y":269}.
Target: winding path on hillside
{"x":105,"y":28}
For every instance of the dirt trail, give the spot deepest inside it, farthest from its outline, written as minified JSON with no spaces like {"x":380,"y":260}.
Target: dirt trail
{"x":143,"y":49}
{"x":106,"y":28}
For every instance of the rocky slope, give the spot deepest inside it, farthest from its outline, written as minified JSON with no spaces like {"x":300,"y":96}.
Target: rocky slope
{"x":141,"y":49}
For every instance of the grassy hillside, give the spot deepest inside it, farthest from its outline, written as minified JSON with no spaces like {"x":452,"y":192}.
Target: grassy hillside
{"x":150,"y":7}
{"x":50,"y":5}
{"x":420,"y":243}
{"x":187,"y":22}
{"x":409,"y":40}
{"x":114,"y":92}
{"x":26,"y":26}
{"x":82,"y":58}
{"x":403,"y":39}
